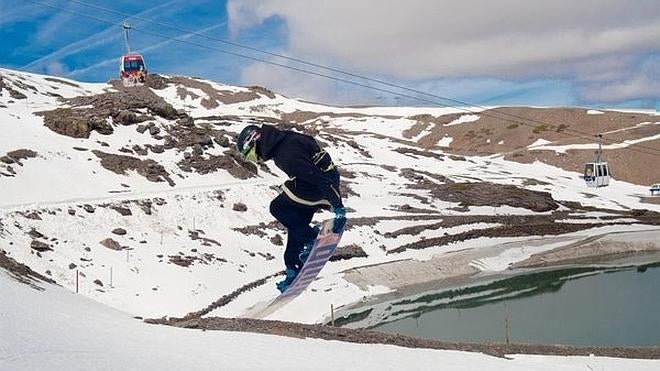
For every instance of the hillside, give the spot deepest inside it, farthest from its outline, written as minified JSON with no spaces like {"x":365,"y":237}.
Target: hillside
{"x":139,"y":196}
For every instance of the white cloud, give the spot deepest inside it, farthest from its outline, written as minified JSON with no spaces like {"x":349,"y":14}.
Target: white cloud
{"x":426,"y":39}
{"x":51,"y":29}
{"x":640,"y":82}
{"x":56,"y":69}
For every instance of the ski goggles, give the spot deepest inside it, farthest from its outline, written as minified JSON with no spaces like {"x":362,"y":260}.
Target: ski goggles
{"x":250,"y":153}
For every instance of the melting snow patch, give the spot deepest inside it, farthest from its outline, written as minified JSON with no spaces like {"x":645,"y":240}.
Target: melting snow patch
{"x":463,"y":119}
{"x":445,"y":142}
{"x":539,"y":142}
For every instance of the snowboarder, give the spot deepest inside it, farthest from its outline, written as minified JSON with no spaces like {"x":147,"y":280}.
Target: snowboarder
{"x":313,"y":185}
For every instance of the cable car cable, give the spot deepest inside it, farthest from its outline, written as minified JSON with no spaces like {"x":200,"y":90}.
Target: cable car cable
{"x":521,"y":120}
{"x":582,"y":135}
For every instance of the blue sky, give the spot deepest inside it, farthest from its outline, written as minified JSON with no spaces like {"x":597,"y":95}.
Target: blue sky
{"x":598,"y":53}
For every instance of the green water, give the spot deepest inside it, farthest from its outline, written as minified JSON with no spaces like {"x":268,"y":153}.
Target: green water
{"x":605,"y":308}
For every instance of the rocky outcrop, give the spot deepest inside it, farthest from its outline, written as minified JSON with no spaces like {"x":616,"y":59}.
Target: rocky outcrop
{"x":149,"y":169}
{"x":98,"y":112}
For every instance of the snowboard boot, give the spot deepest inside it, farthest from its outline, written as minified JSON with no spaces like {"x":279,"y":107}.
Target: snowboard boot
{"x":307,"y":248}
{"x":290,"y":276}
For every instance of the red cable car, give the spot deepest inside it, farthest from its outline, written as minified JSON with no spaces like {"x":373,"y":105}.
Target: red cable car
{"x":132,"y":69}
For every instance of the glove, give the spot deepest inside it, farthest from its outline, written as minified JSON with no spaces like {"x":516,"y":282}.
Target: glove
{"x":340,"y":219}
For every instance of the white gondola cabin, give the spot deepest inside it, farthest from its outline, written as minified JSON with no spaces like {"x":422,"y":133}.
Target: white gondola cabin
{"x":597,"y":174}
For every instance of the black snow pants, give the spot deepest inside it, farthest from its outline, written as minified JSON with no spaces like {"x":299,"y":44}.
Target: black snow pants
{"x":296,"y":218}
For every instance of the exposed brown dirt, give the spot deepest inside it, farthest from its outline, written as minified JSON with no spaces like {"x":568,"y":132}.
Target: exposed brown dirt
{"x":63,"y":82}
{"x":348,"y":252}
{"x":90,"y":113}
{"x":215,"y":97}
{"x":552,"y":229}
{"x":21,"y":272}
{"x":373,"y":337}
{"x":149,"y":169}
{"x":17,"y":155}
{"x":211,"y":163}
{"x":481,"y":194}
{"x":518,"y":127}
{"x":12,"y":92}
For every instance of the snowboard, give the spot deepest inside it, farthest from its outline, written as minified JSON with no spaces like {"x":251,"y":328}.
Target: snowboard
{"x":323,"y":248}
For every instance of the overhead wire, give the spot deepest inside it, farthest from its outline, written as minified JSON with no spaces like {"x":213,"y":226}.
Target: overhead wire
{"x":492,"y":114}
{"x":521,"y":119}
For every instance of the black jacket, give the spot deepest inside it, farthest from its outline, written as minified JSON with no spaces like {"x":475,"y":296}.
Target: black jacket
{"x":314,"y":178}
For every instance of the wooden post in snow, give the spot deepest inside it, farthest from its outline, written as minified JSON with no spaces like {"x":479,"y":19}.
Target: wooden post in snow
{"x":332,"y":314}
{"x":506,"y":322}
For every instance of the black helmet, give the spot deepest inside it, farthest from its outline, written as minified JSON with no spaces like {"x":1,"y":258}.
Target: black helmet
{"x":247,"y":139}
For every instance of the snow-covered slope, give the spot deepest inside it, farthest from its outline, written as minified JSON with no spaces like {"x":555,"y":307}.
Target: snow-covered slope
{"x":151,"y":172}
{"x":46,"y":327}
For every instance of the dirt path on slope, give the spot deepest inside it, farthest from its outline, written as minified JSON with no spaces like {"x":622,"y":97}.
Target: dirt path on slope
{"x":359,"y":336}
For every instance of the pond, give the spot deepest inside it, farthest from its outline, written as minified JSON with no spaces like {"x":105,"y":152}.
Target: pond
{"x":586,"y":306}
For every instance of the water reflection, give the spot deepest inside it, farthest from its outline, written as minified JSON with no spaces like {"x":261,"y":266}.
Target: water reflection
{"x":580,"y":306}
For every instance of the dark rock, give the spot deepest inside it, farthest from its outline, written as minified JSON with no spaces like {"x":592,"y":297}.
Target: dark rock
{"x":348,"y":252}
{"x":157,"y":148}
{"x":154,"y":130}
{"x":33,"y":215}
{"x":35,"y":234}
{"x":155,"y":81}
{"x":98,"y":282}
{"x":89,"y":208}
{"x":277,"y":240}
{"x":223,"y":141}
{"x":239,"y":206}
{"x":164,"y":110}
{"x":111,"y":244}
{"x":40,"y":246}
{"x":126,"y":117}
{"x":141,"y":128}
{"x":72,"y":266}
{"x":198,"y":150}
{"x":71,"y":212}
{"x":7,"y":160}
{"x":122,"y":210}
{"x":186,"y":121}
{"x":140,"y":151}
{"x":149,"y":168}
{"x":119,"y":231}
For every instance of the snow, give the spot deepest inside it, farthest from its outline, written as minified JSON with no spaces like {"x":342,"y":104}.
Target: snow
{"x":57,"y":330}
{"x":463,"y":119}
{"x":445,"y":141}
{"x":588,"y":146}
{"x":539,"y":142}
{"x":145,"y":283}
